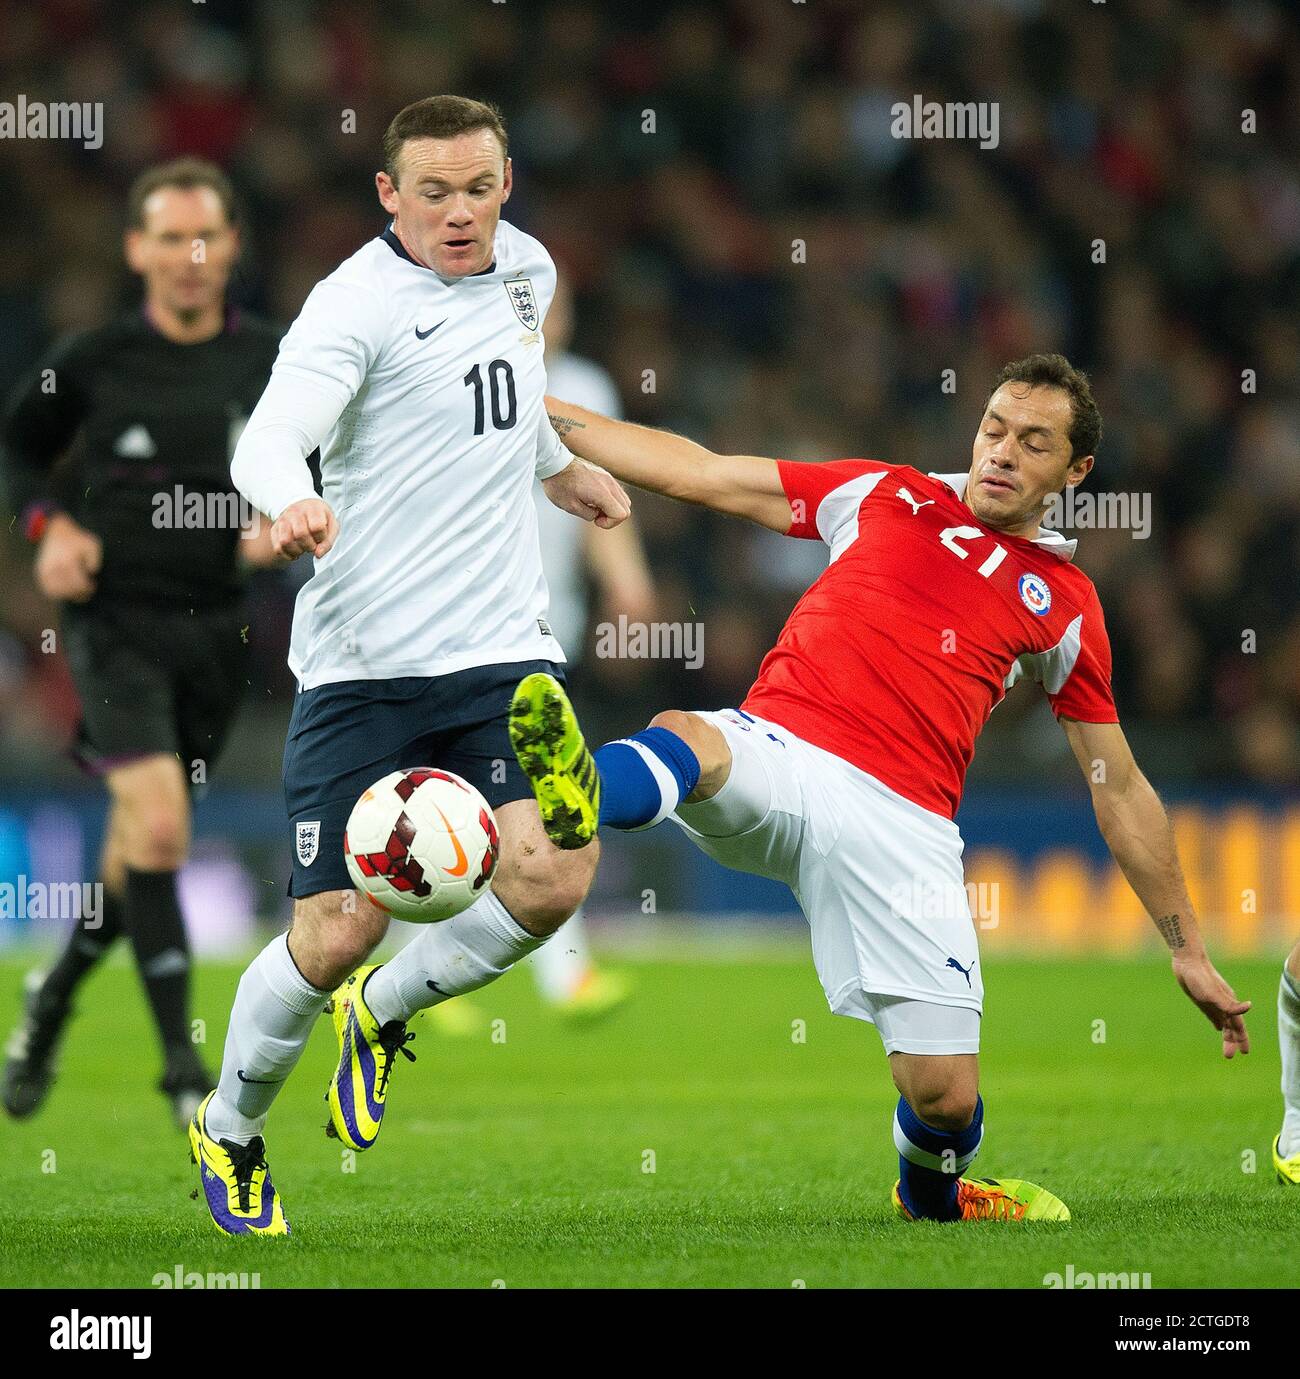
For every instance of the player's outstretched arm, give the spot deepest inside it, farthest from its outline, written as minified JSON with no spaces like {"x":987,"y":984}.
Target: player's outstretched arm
{"x":269,"y":466}
{"x":740,"y":485}
{"x":1136,"y":829}
{"x":324,"y":359}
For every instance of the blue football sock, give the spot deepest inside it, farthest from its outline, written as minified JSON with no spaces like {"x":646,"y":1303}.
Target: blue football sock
{"x":643,"y":778}
{"x":927,"y":1175}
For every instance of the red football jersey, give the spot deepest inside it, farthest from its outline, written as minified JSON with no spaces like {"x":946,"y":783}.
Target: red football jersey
{"x":896,"y":656}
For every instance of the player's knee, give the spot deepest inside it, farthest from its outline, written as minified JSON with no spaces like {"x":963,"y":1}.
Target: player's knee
{"x":338,"y":953}
{"x":360,"y":926}
{"x":149,"y":825}
{"x":546,"y":886}
{"x":708,"y":744}
{"x":687,"y":726}
{"x":158,"y":839}
{"x":333,"y":934}
{"x":947,"y":1108}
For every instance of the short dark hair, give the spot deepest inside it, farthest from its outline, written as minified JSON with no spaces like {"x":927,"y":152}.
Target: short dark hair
{"x":1056,"y":371}
{"x":185,"y":174}
{"x":440,"y":117}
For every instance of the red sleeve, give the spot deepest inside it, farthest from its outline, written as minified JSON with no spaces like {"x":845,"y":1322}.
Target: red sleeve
{"x":1086,"y":694}
{"x":807,"y":485}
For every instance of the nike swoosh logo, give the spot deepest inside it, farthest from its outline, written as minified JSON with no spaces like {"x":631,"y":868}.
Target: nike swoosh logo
{"x":424,"y":334}
{"x":462,"y":862}
{"x":260,"y":1081}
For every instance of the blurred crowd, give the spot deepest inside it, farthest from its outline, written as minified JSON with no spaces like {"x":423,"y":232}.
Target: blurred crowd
{"x":761,"y":265}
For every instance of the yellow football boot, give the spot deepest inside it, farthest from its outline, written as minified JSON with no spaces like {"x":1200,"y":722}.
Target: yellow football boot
{"x":358,"y":1090}
{"x":999,"y":1199}
{"x":547,"y":740}
{"x":236,"y":1181}
{"x":1288,"y":1170}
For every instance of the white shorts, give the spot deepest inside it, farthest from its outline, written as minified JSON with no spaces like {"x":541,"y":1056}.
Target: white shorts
{"x":878,"y":877}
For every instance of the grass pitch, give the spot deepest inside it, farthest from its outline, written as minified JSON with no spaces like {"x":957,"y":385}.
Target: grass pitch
{"x":693,"y":1139}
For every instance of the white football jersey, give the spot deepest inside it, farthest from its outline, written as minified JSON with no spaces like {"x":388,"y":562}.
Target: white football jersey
{"x":429,"y":467}
{"x":571,"y":378}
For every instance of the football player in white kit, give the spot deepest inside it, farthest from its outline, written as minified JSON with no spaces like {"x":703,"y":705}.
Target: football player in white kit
{"x":417,"y":368}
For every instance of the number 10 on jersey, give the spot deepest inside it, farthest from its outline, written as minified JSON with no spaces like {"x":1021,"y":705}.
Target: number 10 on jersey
{"x":500,"y":380}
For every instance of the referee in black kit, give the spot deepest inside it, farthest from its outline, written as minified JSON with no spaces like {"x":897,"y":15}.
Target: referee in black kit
{"x":145,"y":554}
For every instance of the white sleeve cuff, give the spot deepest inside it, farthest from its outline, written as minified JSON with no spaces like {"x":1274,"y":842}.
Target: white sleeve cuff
{"x":552,"y":457}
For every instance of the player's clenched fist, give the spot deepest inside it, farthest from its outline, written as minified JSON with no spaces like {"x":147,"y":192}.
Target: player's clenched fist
{"x":306,"y":526}
{"x":68,"y":560}
{"x":590,"y":493}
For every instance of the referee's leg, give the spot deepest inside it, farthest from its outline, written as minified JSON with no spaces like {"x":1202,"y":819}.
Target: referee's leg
{"x":151,"y":837}
{"x":92,"y":935}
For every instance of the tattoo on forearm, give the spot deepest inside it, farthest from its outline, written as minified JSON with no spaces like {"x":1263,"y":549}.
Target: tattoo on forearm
{"x":1171,"y":931}
{"x":563,"y":425}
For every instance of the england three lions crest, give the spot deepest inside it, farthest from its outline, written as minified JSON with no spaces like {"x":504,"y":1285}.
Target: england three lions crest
{"x":520,"y":292}
{"x":307,"y":840}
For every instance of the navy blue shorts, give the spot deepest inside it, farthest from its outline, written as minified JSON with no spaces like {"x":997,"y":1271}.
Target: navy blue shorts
{"x":344,"y":737}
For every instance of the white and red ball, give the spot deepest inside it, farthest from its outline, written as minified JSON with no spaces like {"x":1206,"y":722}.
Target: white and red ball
{"x":422,"y":844}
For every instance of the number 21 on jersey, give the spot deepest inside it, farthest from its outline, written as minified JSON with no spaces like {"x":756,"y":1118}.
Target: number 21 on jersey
{"x":951,"y":536}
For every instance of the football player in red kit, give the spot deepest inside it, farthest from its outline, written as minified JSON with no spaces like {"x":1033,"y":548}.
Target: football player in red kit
{"x":841,"y":771}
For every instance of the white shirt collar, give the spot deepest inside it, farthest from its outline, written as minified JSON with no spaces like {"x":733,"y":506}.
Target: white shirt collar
{"x":1047,"y":537}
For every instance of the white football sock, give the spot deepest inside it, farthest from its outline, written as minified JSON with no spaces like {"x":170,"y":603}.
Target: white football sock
{"x":457,"y":955}
{"x":560,"y":966}
{"x":1288,"y":1037}
{"x":275,"y":1008}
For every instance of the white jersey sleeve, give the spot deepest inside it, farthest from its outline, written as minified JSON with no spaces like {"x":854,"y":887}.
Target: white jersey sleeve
{"x":322,"y":363}
{"x":338,"y":335}
{"x":552,"y":457}
{"x":269,"y":466}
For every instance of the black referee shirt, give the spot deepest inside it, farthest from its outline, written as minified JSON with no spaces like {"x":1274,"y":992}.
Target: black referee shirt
{"x":152,"y":425}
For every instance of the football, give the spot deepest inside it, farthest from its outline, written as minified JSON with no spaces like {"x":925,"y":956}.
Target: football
{"x":421,"y":844}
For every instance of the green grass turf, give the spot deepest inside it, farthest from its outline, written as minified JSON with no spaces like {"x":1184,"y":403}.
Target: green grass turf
{"x":523,"y":1161}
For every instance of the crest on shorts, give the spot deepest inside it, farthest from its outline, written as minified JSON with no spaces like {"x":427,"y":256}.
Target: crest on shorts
{"x":307,"y":841}
{"x":1035,"y":594}
{"x":520,"y":292}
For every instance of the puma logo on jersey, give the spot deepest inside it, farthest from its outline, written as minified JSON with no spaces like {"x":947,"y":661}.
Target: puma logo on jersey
{"x":135,"y":443}
{"x":916,"y":507}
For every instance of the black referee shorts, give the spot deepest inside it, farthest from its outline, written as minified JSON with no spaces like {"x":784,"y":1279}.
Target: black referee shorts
{"x":152,"y":681}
